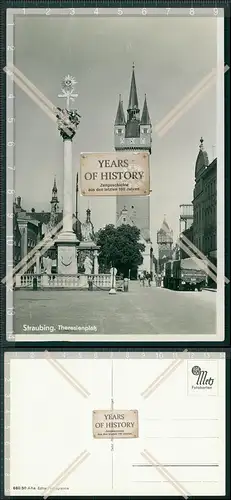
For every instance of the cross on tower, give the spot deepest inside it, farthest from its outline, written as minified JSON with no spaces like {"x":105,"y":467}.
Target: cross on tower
{"x":67,"y":88}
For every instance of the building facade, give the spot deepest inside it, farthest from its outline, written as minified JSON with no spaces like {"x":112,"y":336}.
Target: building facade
{"x":188,"y":235}
{"x":31,"y":232}
{"x":148,"y":256}
{"x":134,"y":133}
{"x":210,"y":211}
{"x":17,"y":239}
{"x":205,"y":205}
{"x":34,"y":226}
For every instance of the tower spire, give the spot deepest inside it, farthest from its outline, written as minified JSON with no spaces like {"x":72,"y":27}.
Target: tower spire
{"x":133,"y":104}
{"x":120,"y":118}
{"x":54,"y":197}
{"x":145,"y":118}
{"x":54,"y":204}
{"x":201,"y":144}
{"x":54,"y":190}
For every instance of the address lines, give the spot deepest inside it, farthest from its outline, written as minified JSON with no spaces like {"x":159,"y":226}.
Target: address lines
{"x":179,"y":465}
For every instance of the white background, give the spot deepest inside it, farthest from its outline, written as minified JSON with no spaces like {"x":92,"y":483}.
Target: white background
{"x":51,"y":424}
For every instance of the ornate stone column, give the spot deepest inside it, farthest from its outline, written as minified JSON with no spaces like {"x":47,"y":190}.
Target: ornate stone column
{"x":68,"y":121}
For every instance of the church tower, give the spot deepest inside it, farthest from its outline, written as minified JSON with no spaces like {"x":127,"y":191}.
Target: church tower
{"x":54,"y":198}
{"x":134,"y":133}
{"x":165,"y":242}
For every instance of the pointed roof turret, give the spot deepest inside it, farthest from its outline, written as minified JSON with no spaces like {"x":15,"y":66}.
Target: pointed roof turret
{"x":165,"y":233}
{"x":120,"y":118}
{"x":133,"y":99}
{"x":202,"y":161}
{"x":145,"y":118}
{"x":165,"y":226}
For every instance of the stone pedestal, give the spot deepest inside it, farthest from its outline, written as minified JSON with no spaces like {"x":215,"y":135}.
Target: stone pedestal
{"x":67,"y":257}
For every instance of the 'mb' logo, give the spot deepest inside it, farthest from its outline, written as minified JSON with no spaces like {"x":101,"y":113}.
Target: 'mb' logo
{"x":203,"y":381}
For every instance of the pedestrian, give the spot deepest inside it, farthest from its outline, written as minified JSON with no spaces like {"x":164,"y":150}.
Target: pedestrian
{"x":145,"y":278}
{"x":142,"y":279}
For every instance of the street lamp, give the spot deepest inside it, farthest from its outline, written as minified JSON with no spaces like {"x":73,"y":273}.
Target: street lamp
{"x":113,"y":273}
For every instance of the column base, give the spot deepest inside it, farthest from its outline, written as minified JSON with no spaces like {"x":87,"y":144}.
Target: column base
{"x":67,"y":257}
{"x":66,"y":237}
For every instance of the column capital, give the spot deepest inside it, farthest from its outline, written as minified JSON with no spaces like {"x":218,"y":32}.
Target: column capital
{"x":68,"y":121}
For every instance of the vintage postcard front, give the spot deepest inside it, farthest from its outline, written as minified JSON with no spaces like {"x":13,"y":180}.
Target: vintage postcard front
{"x":115,"y":175}
{"x":80,"y":424}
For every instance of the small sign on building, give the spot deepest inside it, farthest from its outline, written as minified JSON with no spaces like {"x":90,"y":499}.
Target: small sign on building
{"x":113,"y":174}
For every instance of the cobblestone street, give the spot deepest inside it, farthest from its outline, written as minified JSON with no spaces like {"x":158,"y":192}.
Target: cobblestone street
{"x":143,"y":310}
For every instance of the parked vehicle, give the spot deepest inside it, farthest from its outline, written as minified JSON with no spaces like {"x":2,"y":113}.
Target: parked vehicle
{"x":185,"y":274}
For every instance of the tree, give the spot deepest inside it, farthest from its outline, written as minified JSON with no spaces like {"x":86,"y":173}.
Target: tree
{"x":120,"y":247}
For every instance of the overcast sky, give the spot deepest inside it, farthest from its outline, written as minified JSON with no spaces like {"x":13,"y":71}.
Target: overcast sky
{"x":171,"y":56}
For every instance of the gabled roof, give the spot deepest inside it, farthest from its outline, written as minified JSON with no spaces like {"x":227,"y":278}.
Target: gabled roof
{"x":24,"y":216}
{"x":44,"y":217}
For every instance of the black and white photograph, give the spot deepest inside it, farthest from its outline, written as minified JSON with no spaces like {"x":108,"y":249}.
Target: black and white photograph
{"x":139,"y":255}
